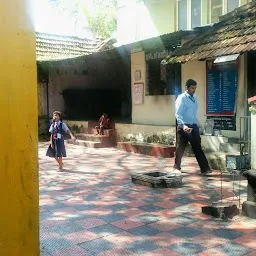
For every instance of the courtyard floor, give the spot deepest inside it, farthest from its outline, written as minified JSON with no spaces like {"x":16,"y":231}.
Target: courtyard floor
{"x":93,"y":209}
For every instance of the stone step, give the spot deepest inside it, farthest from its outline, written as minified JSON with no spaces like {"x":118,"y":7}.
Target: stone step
{"x":92,"y":124}
{"x":230,"y":147}
{"x":212,"y":143}
{"x":91,"y":144}
{"x":217,"y":160}
{"x":92,"y":130}
{"x":233,"y":140}
{"x":108,"y":132}
{"x":92,"y":137}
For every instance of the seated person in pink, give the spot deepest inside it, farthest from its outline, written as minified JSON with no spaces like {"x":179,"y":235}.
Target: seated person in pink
{"x":104,"y":122}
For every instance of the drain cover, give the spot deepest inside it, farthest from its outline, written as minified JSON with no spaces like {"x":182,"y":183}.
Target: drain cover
{"x":157,"y":179}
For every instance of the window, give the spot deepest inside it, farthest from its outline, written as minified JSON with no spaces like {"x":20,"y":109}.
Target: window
{"x":195,"y":13}
{"x":232,"y":4}
{"x":163,"y":79}
{"x":216,"y":10}
{"x":189,"y":14}
{"x":220,"y":7}
{"x":182,"y":14}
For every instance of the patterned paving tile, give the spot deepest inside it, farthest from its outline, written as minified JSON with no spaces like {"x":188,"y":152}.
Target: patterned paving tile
{"x":100,"y":211}
{"x":54,"y":206}
{"x":65,"y":211}
{"x":187,"y":248}
{"x":66,"y":229}
{"x":144,"y":231}
{"x":167,"y":204}
{"x":80,"y":237}
{"x":183,"y":200}
{"x":211,"y":252}
{"x":248,"y":241}
{"x":44,"y":253}
{"x":151,"y":200}
{"x":186,"y":232}
{"x":84,"y":207}
{"x":97,"y":246}
{"x":55,"y":244}
{"x":112,"y":217}
{"x":168,"y":213}
{"x":150,"y":208}
{"x":147,"y":218}
{"x":78,"y":205}
{"x":228,"y":234}
{"x":208,"y":240}
{"x":127,"y":224}
{"x":180,"y":220}
{"x":90,"y":223}
{"x":136,"y":203}
{"x":73,"y":250}
{"x":131,"y":212}
{"x":117,"y":207}
{"x":117,"y":252}
{"x":141,"y":247}
{"x":251,"y":254}
{"x":46,"y":215}
{"x":105,"y":230}
{"x":46,"y":233}
{"x":121,"y":239}
{"x":165,"y":239}
{"x":162,"y":252}
{"x":164,"y":225}
{"x":233,"y":249}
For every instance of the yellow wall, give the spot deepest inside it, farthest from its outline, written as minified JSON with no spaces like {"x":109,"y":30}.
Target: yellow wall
{"x":156,"y":110}
{"x":18,"y":152}
{"x":197,"y":71}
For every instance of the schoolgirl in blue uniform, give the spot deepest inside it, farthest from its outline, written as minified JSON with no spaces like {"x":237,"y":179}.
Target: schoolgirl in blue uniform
{"x":57,"y":147}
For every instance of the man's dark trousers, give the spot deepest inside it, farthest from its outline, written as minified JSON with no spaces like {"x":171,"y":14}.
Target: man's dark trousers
{"x":195,"y":140}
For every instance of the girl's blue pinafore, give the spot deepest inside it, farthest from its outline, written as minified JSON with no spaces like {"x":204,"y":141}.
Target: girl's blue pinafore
{"x":58,"y":140}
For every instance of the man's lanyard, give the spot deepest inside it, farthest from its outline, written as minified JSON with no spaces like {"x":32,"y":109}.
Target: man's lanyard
{"x":191,"y":98}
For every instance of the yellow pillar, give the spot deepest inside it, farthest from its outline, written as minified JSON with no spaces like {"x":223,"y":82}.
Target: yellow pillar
{"x":19,"y":207}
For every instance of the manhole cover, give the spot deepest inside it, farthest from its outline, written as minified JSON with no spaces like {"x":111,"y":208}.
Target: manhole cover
{"x":157,"y":179}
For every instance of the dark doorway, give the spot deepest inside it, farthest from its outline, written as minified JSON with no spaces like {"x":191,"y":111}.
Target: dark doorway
{"x":106,"y":87}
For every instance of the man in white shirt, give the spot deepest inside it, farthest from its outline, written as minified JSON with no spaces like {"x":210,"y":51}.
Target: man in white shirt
{"x":187,"y":131}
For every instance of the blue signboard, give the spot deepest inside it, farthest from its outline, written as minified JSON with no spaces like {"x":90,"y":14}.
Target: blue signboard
{"x":221,"y":88}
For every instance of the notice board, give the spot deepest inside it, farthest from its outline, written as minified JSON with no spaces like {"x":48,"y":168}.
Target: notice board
{"x":224,"y":122}
{"x":221,"y":88}
{"x":138,"y":93}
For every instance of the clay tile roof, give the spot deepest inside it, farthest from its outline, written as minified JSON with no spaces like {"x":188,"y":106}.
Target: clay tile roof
{"x":235,"y":33}
{"x":55,"y":47}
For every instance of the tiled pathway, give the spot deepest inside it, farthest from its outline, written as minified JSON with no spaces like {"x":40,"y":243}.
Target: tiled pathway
{"x":93,"y":209}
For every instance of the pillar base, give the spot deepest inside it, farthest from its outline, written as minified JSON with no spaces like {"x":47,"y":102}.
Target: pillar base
{"x":249,"y":209}
{"x":224,"y":211}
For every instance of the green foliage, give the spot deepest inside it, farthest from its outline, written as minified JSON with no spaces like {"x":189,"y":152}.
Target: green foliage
{"x":102,"y":20}
{"x":155,"y":138}
{"x":75,"y":129}
{"x":101,"y":16}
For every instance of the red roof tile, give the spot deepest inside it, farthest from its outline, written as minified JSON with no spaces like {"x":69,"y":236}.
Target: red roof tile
{"x":56,"y":47}
{"x":235,"y":33}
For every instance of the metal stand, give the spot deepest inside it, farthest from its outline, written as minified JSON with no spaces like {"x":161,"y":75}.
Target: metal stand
{"x":220,"y":209}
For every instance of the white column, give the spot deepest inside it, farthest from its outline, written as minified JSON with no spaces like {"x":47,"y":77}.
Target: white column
{"x":253,"y":137}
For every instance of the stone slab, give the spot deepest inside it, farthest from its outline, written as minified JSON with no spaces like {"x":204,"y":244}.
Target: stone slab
{"x":157,"y":179}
